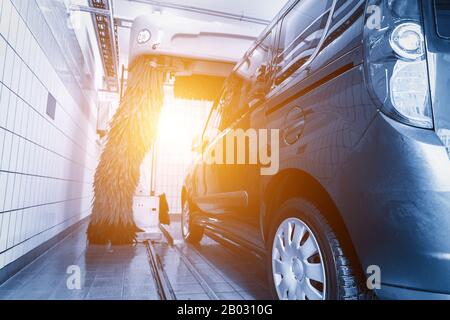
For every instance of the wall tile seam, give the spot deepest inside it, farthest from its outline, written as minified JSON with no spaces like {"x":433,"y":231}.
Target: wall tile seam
{"x":42,"y":256}
{"x":79,"y":165}
{"x":44,"y":231}
{"x":62,"y":55}
{"x":44,"y":177}
{"x":49,"y":121}
{"x":69,"y":115}
{"x":89,"y":196}
{"x":93,"y":158}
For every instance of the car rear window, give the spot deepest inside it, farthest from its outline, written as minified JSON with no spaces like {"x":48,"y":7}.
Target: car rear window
{"x":442,"y":8}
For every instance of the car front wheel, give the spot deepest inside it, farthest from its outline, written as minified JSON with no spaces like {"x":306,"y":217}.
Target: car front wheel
{"x":191,"y":233}
{"x":306,"y":260}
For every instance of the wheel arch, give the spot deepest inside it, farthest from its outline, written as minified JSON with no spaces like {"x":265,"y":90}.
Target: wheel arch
{"x":285,"y":185}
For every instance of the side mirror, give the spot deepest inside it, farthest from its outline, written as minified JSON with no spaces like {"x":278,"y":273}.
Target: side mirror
{"x":260,"y":88}
{"x":261,"y":74}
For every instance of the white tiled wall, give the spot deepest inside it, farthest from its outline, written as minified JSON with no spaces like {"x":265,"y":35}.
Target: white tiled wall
{"x":46,"y":165}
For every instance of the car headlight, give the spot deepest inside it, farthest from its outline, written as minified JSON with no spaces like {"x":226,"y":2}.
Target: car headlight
{"x":144,"y":36}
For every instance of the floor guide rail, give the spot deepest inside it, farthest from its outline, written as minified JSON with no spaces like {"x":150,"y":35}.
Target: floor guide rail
{"x":201,"y":280}
{"x":162,"y":282}
{"x":160,"y":275}
{"x":208,"y":271}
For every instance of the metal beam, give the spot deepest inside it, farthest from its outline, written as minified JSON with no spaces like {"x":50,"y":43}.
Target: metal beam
{"x":76,"y":7}
{"x":121,"y":21}
{"x":108,"y":12}
{"x":113,"y":35}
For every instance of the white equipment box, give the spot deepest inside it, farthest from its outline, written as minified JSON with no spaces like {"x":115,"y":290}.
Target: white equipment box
{"x":146,"y":217}
{"x":146,"y":207}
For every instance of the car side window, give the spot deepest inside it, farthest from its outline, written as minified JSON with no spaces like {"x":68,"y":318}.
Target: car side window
{"x":212,"y":127}
{"x":256,"y":72}
{"x":346,"y":13}
{"x":249,"y":82}
{"x":231,"y":100}
{"x":301,"y":32}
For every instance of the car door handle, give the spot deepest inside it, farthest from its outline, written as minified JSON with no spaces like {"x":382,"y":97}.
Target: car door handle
{"x":295,"y":125}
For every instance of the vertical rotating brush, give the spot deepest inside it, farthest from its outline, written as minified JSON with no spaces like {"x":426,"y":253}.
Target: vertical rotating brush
{"x":131,"y":136}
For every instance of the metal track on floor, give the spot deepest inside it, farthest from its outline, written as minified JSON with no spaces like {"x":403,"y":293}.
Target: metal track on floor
{"x":189,"y":264}
{"x":201,"y":280}
{"x":162,"y":282}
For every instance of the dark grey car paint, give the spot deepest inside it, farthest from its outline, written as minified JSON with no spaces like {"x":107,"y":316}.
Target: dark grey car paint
{"x":390,"y":182}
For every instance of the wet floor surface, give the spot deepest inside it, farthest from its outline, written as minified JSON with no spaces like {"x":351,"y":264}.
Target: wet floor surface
{"x":124,"y":273}
{"x":232,"y":274}
{"x":118,"y":273}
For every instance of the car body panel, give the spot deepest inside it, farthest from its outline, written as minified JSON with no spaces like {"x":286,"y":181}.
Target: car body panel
{"x":395,"y":199}
{"x":438,"y":54}
{"x":389,"y":181}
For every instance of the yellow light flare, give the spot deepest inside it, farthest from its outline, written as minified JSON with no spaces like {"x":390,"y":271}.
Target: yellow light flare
{"x":179,"y":122}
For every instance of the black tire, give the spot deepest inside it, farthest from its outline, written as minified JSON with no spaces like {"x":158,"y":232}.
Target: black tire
{"x":195,"y":232}
{"x":341,"y":280}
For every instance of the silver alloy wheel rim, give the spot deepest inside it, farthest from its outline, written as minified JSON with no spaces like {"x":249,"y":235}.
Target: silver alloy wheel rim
{"x":297,"y":265}
{"x":186,"y":218}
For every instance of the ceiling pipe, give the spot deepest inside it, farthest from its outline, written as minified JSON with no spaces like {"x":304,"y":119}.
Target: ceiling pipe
{"x":216,"y":13}
{"x":121,"y":21}
{"x":76,"y":7}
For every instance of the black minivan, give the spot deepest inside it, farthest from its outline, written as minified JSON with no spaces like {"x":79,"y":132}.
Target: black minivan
{"x":358,"y":94}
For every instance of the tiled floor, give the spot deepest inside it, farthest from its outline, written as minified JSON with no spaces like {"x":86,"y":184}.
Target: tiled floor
{"x":229,"y":275}
{"x":232,"y":273}
{"x":106,"y":273}
{"x":124,"y":273}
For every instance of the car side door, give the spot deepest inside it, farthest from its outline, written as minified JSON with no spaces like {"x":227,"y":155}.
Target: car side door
{"x":237,"y":179}
{"x":206,"y":179}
